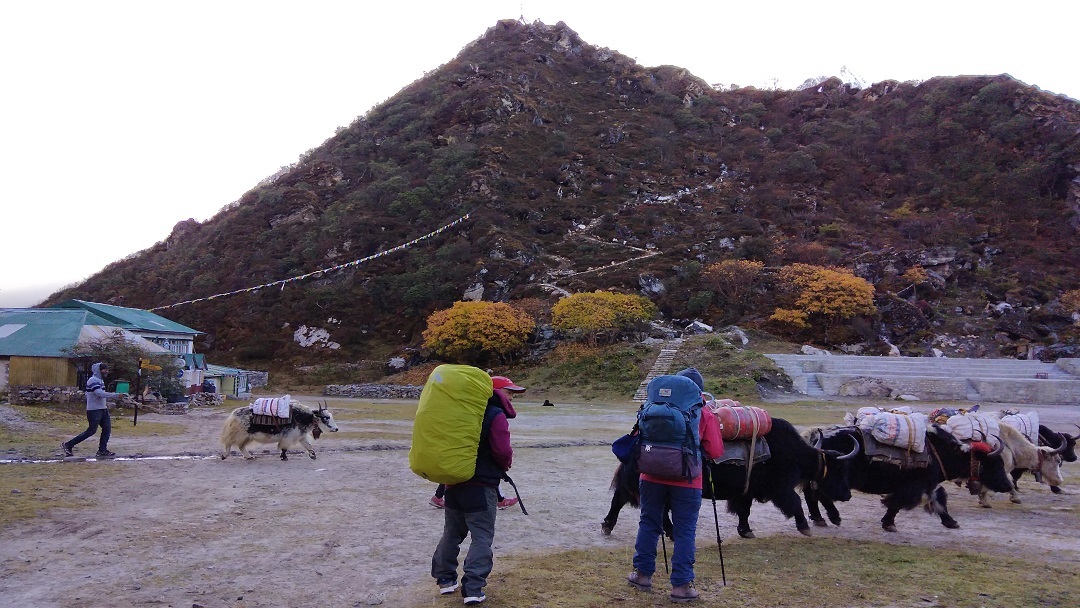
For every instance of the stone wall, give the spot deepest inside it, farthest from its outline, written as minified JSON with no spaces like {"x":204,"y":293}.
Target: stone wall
{"x":206,"y":400}
{"x":31,"y":395}
{"x":257,"y":379}
{"x":1029,"y":391}
{"x":1071,"y":366}
{"x":374,"y":391}
{"x":925,"y":387}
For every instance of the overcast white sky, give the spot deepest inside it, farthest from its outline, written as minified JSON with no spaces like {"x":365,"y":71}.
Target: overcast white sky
{"x":119,"y":119}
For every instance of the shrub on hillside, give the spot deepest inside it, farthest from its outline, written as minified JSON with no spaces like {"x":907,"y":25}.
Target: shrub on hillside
{"x":478,"y":332}
{"x":601,"y":316}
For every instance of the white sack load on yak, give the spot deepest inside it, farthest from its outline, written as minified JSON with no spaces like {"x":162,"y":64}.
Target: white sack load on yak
{"x":974,"y":427}
{"x":1027,"y":424}
{"x":300,"y":426}
{"x":276,"y":407}
{"x":899,"y":427}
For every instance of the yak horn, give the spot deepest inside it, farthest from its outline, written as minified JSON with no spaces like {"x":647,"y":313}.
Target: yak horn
{"x":999,"y":448}
{"x":1064,"y":445}
{"x":1073,"y":437}
{"x":854,"y":451}
{"x":815,"y":439}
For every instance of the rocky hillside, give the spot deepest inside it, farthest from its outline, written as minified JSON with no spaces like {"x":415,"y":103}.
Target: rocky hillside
{"x":582,"y":170}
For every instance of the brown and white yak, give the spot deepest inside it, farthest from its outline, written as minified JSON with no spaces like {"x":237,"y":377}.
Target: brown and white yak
{"x":304,"y":426}
{"x":1020,"y":453}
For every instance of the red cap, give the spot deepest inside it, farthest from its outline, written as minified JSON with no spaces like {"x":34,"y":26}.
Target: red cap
{"x":504,"y":382}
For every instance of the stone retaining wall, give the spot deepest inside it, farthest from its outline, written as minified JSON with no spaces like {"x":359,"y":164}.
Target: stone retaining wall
{"x":925,"y":387}
{"x":374,"y":391}
{"x":1071,"y":366}
{"x":1029,"y":391}
{"x":205,"y":399}
{"x":31,"y":395}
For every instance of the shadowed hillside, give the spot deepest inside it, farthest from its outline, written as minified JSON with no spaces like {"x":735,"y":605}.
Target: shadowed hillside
{"x":572,"y":159}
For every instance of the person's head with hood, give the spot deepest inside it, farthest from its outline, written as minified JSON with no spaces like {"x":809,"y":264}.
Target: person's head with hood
{"x":694,"y":375}
{"x":505,"y":389}
{"x":99,"y":369}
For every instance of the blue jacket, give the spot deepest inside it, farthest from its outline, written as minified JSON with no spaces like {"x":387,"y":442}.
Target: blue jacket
{"x":95,"y":390}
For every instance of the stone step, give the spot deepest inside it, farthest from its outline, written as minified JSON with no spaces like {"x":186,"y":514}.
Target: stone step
{"x":660,"y":367}
{"x":992,"y":380}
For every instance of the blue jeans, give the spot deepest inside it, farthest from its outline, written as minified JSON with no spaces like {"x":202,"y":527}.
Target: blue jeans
{"x":470,"y":510}
{"x":94,"y":418}
{"x":685,"y":505}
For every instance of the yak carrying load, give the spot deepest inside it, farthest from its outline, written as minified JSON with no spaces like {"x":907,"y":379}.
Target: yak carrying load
{"x":899,"y":427}
{"x":738,"y":421}
{"x":1027,"y":424}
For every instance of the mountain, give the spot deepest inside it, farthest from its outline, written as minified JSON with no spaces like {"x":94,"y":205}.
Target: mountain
{"x":849,"y":78}
{"x":580,"y":170}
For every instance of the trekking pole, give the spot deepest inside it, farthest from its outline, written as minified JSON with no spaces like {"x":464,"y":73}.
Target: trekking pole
{"x":516,"y":493}
{"x":663,"y":543}
{"x":719,"y":543}
{"x":716,"y":520}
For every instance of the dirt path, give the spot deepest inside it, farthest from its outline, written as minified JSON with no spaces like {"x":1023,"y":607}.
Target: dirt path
{"x":353,"y":528}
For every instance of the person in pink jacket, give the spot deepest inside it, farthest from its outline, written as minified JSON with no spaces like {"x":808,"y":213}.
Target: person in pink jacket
{"x":684,"y":498}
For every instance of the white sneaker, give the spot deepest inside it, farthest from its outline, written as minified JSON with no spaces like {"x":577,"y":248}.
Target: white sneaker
{"x":472,"y":600}
{"x":446,"y":588}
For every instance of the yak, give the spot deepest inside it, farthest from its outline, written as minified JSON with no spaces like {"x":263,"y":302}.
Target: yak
{"x":1056,"y":440}
{"x":792,"y":462}
{"x":302,"y":428}
{"x":1021,"y":454}
{"x":624,"y":484}
{"x":903,"y":488}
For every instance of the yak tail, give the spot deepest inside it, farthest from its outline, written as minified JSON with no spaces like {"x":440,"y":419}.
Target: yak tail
{"x":627,"y":480}
{"x":935,"y":504}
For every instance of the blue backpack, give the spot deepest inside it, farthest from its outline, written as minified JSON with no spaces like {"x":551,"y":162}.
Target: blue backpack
{"x":669,"y":445}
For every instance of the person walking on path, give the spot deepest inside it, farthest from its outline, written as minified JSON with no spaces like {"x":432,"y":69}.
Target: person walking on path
{"x":684,"y":498}
{"x":97,"y":413}
{"x":470,"y":507}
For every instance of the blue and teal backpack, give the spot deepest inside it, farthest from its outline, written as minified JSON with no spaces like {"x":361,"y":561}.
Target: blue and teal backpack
{"x":670,"y":445}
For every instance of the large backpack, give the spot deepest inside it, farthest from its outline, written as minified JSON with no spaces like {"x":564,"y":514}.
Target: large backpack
{"x":446,"y":430}
{"x":669,"y":446}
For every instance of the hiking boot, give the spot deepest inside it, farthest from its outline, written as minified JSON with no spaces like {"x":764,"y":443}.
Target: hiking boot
{"x":473,"y":600}
{"x":684,"y":593}
{"x":448,"y":587}
{"x":66,"y":448}
{"x":640,"y":581}
{"x":105,"y":454}
{"x":438,"y":503}
{"x":506,"y":503}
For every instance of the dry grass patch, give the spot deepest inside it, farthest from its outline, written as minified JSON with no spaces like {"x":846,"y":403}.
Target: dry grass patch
{"x":31,"y":489}
{"x":44,"y":426}
{"x":784,"y":571}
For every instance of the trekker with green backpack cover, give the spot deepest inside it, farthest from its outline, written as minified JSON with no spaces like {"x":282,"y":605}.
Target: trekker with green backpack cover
{"x":447,"y":421}
{"x":447,"y":426}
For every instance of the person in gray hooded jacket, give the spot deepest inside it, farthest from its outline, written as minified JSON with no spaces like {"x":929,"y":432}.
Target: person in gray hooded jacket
{"x":97,"y":412}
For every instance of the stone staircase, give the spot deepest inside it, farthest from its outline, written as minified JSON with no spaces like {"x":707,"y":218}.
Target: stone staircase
{"x":660,"y":367}
{"x":932,"y":378}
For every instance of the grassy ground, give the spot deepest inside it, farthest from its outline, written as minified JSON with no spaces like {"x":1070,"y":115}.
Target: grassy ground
{"x":790,"y":571}
{"x":45,"y":426}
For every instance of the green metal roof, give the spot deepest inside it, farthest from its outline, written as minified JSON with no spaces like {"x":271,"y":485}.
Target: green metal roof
{"x":42,"y":332}
{"x":130,"y":318}
{"x":221,"y":370}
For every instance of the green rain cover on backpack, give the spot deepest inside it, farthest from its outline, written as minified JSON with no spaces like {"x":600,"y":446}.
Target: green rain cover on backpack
{"x":446,"y":431}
